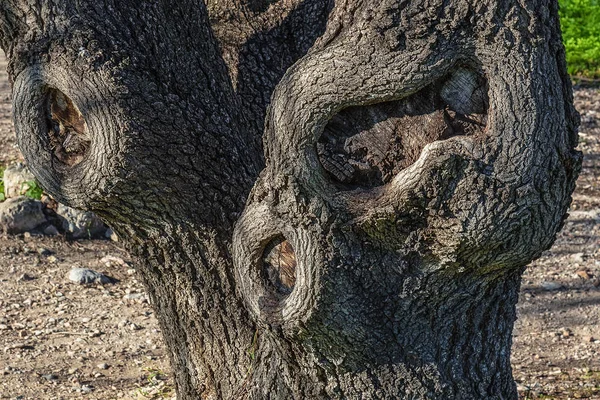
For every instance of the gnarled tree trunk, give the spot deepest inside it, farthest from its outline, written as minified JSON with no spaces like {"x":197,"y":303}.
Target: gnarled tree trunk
{"x":417,"y":155}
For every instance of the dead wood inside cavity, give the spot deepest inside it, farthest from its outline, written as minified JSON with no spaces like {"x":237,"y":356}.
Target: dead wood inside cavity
{"x":279,"y":263}
{"x":368,"y":145}
{"x":67,"y":129}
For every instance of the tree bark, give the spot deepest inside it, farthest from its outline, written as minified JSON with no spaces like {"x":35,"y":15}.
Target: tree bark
{"x":418,"y":155}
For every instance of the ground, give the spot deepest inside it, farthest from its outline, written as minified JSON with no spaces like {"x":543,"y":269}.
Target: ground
{"x":59,"y":340}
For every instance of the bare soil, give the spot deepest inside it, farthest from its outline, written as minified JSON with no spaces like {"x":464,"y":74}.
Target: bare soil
{"x":60,"y":340}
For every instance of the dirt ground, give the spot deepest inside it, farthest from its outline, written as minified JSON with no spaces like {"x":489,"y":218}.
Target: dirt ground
{"x":59,"y":340}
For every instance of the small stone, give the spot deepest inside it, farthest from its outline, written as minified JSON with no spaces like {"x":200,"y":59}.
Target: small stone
{"x":135,"y":327}
{"x":20,"y":215}
{"x":42,"y":251}
{"x":583,"y":274}
{"x":86,"y":276}
{"x":87,"y":388}
{"x":24,"y":278}
{"x":51,"y":230}
{"x":134,"y":296}
{"x":80,"y":224}
{"x":551,"y":286}
{"x":50,"y":377}
{"x":72,"y":371}
{"x":112,"y":261}
{"x":577,"y":257}
{"x":588,"y":339}
{"x":103,"y":366}
{"x":565,"y":332}
{"x":52,"y":259}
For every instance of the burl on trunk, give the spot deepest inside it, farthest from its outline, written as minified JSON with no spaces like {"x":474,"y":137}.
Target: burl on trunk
{"x":415,"y":156}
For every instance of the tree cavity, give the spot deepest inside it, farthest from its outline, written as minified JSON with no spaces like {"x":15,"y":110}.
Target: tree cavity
{"x":368,"y":145}
{"x":279,"y":267}
{"x":67,"y":129}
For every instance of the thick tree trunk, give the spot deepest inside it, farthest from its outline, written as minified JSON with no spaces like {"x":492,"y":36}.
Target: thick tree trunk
{"x":417,"y":155}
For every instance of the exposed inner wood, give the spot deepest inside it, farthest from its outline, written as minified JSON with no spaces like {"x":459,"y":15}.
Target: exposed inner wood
{"x":369,"y":145}
{"x":280,"y":266}
{"x":68,"y":134}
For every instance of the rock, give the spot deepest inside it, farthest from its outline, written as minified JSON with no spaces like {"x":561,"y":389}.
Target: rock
{"x":112,"y":261}
{"x":102,"y":366}
{"x":566,"y":332}
{"x":86,"y":276}
{"x":577,"y":257}
{"x":24,"y":278}
{"x":111,"y":235}
{"x":588,"y":339}
{"x":51,"y":231}
{"x":42,"y":251}
{"x":87,"y":388}
{"x":135,"y":296}
{"x":50,"y":377}
{"x":550,"y":286}
{"x":80,"y":224}
{"x":20,"y":215}
{"x":16,"y":180}
{"x":135,"y":327}
{"x":583,"y":274}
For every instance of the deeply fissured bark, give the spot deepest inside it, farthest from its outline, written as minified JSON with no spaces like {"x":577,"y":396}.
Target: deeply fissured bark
{"x":417,"y":155}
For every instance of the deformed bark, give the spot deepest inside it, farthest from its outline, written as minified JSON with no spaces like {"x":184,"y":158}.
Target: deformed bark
{"x":417,"y":155}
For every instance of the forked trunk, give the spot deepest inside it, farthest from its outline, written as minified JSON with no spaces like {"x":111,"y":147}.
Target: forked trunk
{"x":417,"y":155}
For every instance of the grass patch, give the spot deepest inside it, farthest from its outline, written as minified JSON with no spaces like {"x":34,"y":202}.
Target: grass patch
{"x":34,"y":190}
{"x":2,"y":196}
{"x":580,"y":24}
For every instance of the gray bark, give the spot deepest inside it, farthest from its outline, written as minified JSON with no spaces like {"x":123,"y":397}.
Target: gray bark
{"x":417,"y":155}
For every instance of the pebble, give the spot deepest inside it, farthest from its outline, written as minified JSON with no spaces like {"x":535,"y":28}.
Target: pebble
{"x":134,"y":296}
{"x":103,"y":366}
{"x":135,"y":327}
{"x":24,"y":278}
{"x":51,"y":230}
{"x":87,"y":388}
{"x":44,"y":251}
{"x":86,"y":276}
{"x":550,"y":286}
{"x":583,"y":274}
{"x":50,"y":377}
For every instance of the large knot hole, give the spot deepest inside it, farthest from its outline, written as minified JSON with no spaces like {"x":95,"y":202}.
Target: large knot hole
{"x":367,"y":146}
{"x":67,"y":129}
{"x":279,"y":267}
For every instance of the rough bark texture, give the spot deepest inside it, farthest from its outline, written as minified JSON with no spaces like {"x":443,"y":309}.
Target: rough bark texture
{"x":417,"y":155}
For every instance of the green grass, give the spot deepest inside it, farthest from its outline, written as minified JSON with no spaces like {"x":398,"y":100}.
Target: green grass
{"x":2,"y":196}
{"x":580,"y":24}
{"x":34,"y":190}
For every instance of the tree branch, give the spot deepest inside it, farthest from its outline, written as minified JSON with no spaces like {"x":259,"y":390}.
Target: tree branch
{"x":153,"y":88}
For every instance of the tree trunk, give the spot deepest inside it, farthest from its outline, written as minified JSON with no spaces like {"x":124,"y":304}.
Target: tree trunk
{"x":417,"y":155}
